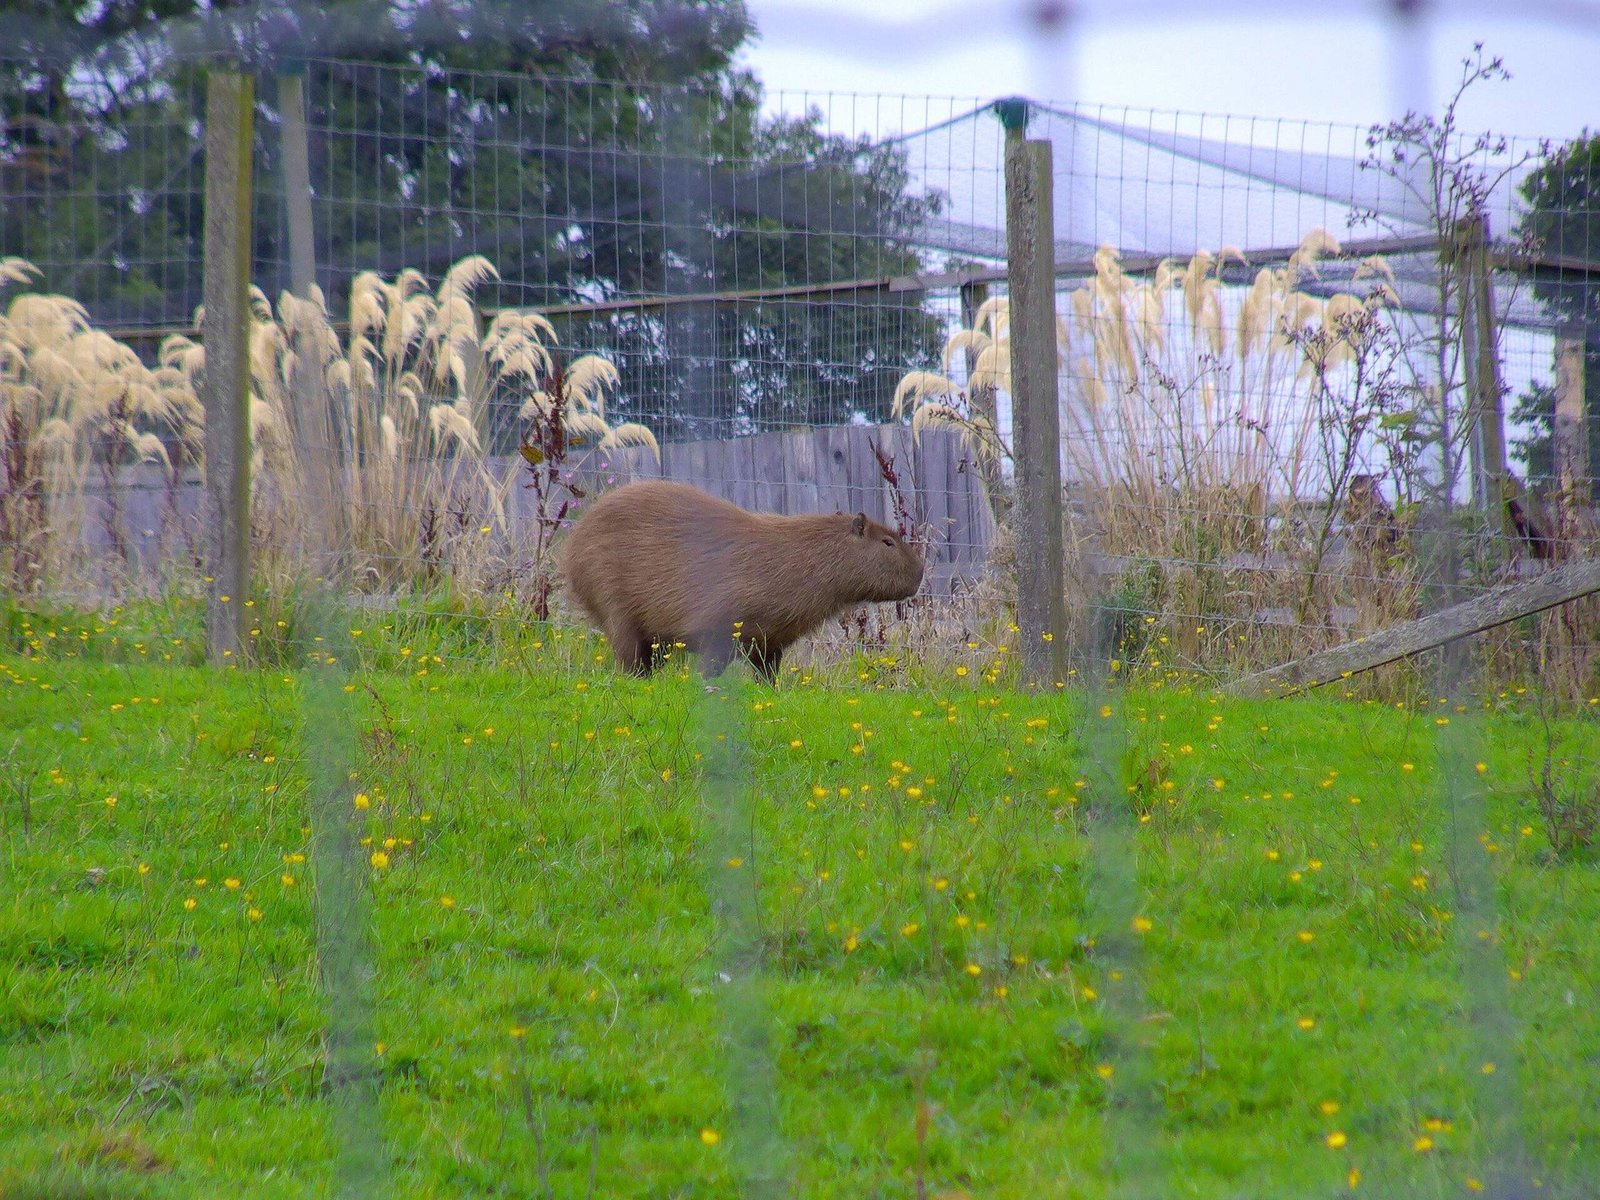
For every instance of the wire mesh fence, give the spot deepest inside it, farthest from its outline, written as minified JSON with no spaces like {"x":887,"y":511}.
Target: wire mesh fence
{"x":1290,"y":364}
{"x":1269,"y":378}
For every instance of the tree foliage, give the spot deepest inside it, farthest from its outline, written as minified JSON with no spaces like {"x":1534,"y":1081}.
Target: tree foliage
{"x":1563,"y":223}
{"x":592,"y":151}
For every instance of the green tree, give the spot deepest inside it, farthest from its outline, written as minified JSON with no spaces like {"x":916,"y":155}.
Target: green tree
{"x":1563,"y":222}
{"x":592,"y":151}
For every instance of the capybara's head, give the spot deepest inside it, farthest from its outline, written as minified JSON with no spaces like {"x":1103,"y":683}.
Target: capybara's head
{"x":887,"y":566}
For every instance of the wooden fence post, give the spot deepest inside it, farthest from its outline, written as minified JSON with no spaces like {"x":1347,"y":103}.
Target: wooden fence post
{"x":295,"y":142}
{"x":311,"y":423}
{"x":1485,"y":390}
{"x":1036,"y":417}
{"x":1572,"y":464}
{"x":230,"y":98}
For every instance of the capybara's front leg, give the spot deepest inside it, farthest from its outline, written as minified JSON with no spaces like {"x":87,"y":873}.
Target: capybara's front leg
{"x":633,"y":650}
{"x":716,"y":647}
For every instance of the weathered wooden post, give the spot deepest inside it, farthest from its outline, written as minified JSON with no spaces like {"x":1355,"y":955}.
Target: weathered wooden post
{"x":230,"y":98}
{"x":1486,"y":420}
{"x":296,"y":149}
{"x":1035,"y":415}
{"x":1572,"y":466}
{"x":311,"y":423}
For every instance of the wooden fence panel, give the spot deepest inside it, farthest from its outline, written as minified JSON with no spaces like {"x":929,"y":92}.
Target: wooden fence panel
{"x":767,"y":452}
{"x":833,"y":469}
{"x":804,"y":471}
{"x":864,"y":488}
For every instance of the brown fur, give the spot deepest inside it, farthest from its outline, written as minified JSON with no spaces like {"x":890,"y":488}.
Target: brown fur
{"x":657,"y":563}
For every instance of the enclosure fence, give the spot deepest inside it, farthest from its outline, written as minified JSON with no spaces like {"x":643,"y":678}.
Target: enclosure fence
{"x":1285,"y":351}
{"x":1163,"y":392}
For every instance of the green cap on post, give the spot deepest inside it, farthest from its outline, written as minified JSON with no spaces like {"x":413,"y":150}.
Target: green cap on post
{"x":1014,"y":112}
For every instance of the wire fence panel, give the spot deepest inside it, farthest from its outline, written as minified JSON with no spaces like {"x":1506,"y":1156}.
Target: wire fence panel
{"x":1315,"y":382}
{"x":1288,"y":350}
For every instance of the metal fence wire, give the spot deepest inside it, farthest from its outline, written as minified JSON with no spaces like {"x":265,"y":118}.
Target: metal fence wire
{"x":1314,"y":381}
{"x":757,"y":303}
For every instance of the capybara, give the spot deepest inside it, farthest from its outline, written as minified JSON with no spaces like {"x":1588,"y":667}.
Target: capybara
{"x":655,"y":564}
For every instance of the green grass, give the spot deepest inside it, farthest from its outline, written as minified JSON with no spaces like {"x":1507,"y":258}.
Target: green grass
{"x":937,"y":986}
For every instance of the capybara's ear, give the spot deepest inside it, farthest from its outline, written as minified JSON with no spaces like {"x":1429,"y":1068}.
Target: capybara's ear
{"x":859,"y":525}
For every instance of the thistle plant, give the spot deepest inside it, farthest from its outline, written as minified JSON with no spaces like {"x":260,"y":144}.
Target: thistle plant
{"x":565,"y":414}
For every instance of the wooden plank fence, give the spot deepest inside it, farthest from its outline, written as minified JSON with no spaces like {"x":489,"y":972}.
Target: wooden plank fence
{"x":816,"y":470}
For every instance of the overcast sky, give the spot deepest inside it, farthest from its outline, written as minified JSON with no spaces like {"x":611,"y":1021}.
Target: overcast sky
{"x":1249,"y":58}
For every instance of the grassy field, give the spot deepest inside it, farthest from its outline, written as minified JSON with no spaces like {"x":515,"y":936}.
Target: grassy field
{"x":941,"y":1004}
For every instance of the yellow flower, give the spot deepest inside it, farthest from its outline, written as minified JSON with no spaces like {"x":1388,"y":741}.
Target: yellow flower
{"x":710,"y":1136}
{"x":1423,"y":1144}
{"x":111,"y":801}
{"x":1105,"y":1070}
{"x":974,"y":969}
{"x":518,"y":1031}
{"x":1329,"y":1107}
{"x":362,"y":800}
{"x":909,"y":928}
{"x":286,"y":879}
{"x":379,"y":860}
{"x":188,"y":905}
{"x":231,"y":884}
{"x":736,"y":863}
{"x":254,"y":914}
{"x":1307,"y":1023}
{"x":1143,"y":924}
{"x":1336,"y":1140}
{"x":447,"y":902}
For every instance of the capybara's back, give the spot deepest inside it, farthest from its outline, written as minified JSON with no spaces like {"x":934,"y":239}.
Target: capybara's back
{"x":657,"y":564}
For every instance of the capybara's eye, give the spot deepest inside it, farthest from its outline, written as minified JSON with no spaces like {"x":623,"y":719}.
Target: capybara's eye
{"x":888,"y":541}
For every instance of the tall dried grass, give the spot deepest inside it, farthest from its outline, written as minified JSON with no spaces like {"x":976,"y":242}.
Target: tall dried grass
{"x":369,"y":453}
{"x":1211,"y":439}
{"x":76,"y":407}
